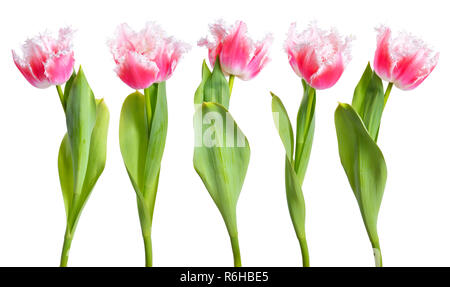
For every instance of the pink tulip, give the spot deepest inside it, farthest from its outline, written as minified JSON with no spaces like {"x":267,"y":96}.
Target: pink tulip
{"x":405,"y":61}
{"x":238,"y":55}
{"x":145,"y":57}
{"x":317,"y":56}
{"x":47,"y":61}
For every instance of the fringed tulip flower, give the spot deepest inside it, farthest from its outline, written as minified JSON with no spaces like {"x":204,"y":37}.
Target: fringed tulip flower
{"x":46,"y":61}
{"x":405,"y":60}
{"x":223,"y":166}
{"x":145,"y":57}
{"x":239,"y":56}
{"x":145,"y":60}
{"x":317,"y":56}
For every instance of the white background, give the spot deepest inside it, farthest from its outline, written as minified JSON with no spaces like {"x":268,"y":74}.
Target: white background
{"x":187,"y":228}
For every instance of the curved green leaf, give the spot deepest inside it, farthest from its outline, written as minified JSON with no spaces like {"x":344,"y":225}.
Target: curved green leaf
{"x":96,"y":164}
{"x":296,"y":202}
{"x":364,"y":165}
{"x":199,"y":95}
{"x":283,"y":125}
{"x":295,"y":169}
{"x":142,"y":147}
{"x":368,"y":101}
{"x":65,"y":169}
{"x":156,"y":143}
{"x":133,"y":138}
{"x":67,"y":87}
{"x":222,"y":159}
{"x":80,"y":119}
{"x":216,"y":88}
{"x":305,"y":131}
{"x":97,"y":152}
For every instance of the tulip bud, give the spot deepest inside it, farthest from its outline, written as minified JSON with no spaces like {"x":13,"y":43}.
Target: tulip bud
{"x":145,"y":57}
{"x":317,"y":56}
{"x":405,"y":60}
{"x":46,"y":61}
{"x":238,"y":54}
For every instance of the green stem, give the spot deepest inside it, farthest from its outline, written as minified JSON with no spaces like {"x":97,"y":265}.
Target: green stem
{"x":148,"y":250}
{"x":231,"y":83}
{"x":377,"y":254}
{"x":61,"y":97}
{"x":66,"y":248}
{"x":305,"y":252}
{"x":236,"y":251}
{"x":148,"y":107}
{"x":387,"y":93}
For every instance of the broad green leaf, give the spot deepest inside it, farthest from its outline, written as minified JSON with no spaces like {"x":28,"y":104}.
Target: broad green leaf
{"x":133,"y":138}
{"x":65,"y":169}
{"x":216,"y":88}
{"x":296,"y":202}
{"x":68,"y":86}
{"x":80,"y":119}
{"x":221,"y":160}
{"x":206,"y":73}
{"x":156,"y":143}
{"x":305,"y":131}
{"x":368,"y":101}
{"x":97,"y":153}
{"x":96,"y":164}
{"x":363,"y":163}
{"x":283,"y":125}
{"x":142,"y":147}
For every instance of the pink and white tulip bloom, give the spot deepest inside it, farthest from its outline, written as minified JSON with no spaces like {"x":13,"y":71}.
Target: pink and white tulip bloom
{"x":238,"y":54}
{"x":47,"y":61}
{"x":405,"y":60}
{"x":145,"y":57}
{"x":317,"y":56}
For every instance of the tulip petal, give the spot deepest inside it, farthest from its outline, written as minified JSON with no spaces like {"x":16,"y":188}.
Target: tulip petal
{"x":136,"y":71}
{"x":26,"y":71}
{"x":383,"y":62}
{"x":328,"y":76}
{"x":236,"y":50}
{"x":59,"y":68}
{"x":259,"y":60}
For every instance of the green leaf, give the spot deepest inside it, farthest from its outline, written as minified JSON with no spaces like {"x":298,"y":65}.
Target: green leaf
{"x":295,"y":169}
{"x":157,"y":141}
{"x":65,"y":169}
{"x":97,"y":152}
{"x":283,"y":125}
{"x":296,"y":202}
{"x":80,"y":119}
{"x":368,"y":101}
{"x":133,"y":138}
{"x":364,"y":165}
{"x":96,"y":164}
{"x":216,"y":88}
{"x":206,"y":73}
{"x":142,"y":147}
{"x":68,"y":86}
{"x":305,"y":131}
{"x":222,"y":159}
